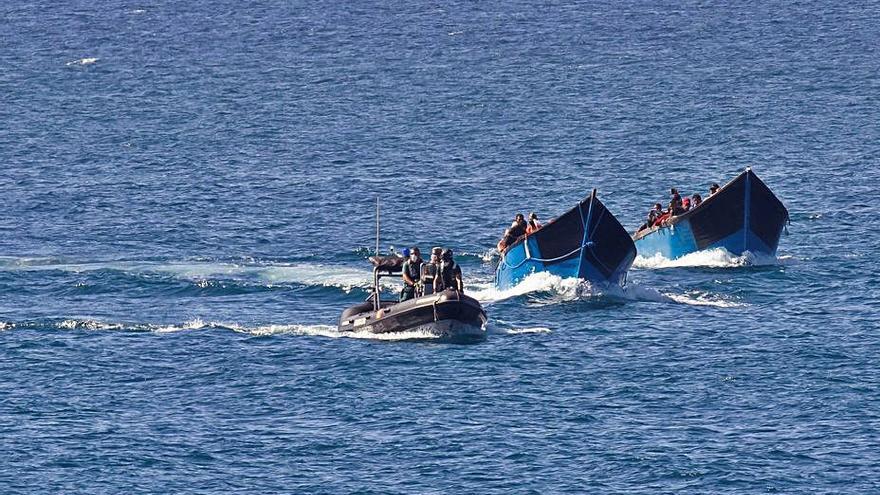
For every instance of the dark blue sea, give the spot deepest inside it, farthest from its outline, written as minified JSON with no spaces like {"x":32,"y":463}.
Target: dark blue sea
{"x":188,"y":200}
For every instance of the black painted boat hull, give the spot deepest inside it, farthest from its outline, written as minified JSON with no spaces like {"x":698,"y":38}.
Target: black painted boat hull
{"x":448,"y":315}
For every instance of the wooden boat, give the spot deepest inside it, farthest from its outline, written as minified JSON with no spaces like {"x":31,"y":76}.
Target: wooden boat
{"x":585,"y":242}
{"x":742,"y":216}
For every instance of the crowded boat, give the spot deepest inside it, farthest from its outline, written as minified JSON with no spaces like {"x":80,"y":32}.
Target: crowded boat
{"x":659,"y":217}
{"x":519,"y":228}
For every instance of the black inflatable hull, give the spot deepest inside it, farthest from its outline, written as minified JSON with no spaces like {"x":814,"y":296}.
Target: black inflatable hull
{"x":448,"y":315}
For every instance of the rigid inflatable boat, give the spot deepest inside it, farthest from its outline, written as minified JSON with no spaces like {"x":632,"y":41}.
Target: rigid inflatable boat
{"x":448,"y":315}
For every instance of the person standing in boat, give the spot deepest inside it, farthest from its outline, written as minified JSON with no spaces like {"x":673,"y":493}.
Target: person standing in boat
{"x":449,"y":276}
{"x":429,"y":272}
{"x":412,"y":271}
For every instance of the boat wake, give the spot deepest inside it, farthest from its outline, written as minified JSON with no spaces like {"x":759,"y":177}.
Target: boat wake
{"x":501,"y":327}
{"x":203,"y":272}
{"x":541,"y":282}
{"x":198,"y":324}
{"x":544,"y":289}
{"x":713,"y":258}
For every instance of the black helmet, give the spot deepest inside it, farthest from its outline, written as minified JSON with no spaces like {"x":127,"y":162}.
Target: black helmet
{"x":447,"y":255}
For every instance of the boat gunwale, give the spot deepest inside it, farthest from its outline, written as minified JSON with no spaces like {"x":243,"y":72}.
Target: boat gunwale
{"x":525,"y":237}
{"x":641,"y":234}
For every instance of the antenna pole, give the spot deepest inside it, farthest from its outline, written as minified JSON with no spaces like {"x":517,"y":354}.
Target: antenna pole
{"x":377,"y":225}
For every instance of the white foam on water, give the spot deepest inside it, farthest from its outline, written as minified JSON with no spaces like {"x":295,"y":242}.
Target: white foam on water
{"x":194,"y":324}
{"x":258,"y":331}
{"x":71,"y":324}
{"x":83,"y":61}
{"x":395,"y":336}
{"x":333,"y":333}
{"x":486,"y":292}
{"x":704,"y":299}
{"x":345,"y":278}
{"x":715,"y":258}
{"x":519,"y":331}
{"x":556,"y":290}
{"x":635,"y":292}
{"x":268,"y":330}
{"x":5,"y":326}
{"x":327,"y":331}
{"x":315,"y":274}
{"x":490,"y":255}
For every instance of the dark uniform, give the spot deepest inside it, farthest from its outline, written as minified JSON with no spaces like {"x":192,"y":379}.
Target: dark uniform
{"x":429,"y":271}
{"x":413,"y":269}
{"x":449,"y":275}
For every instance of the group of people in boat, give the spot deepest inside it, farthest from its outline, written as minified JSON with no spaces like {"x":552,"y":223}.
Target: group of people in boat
{"x":677,"y":206}
{"x":422,"y":277}
{"x":517,"y":229}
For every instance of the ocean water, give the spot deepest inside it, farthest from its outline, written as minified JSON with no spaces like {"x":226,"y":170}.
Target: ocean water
{"x":188,"y":194}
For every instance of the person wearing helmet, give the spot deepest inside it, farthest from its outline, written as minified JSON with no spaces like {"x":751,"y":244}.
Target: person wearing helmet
{"x":412,"y":270}
{"x":429,"y":272}
{"x":449,"y":276}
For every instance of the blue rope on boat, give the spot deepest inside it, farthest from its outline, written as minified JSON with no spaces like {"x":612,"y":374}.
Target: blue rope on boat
{"x":547,"y":260}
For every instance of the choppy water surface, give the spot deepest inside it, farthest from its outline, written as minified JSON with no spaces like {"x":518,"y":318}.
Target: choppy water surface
{"x":188,"y":194}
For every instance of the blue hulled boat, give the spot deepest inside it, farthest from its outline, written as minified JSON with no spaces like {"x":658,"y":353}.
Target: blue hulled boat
{"x":744,"y":215}
{"x":585,"y":242}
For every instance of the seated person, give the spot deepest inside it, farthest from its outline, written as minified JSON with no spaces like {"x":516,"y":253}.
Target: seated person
{"x":696,"y":200}
{"x":518,"y":227}
{"x":713,"y":189}
{"x":505,"y":241}
{"x":653,"y":216}
{"x":663,"y":218}
{"x":686,"y":204}
{"x":533,"y":225}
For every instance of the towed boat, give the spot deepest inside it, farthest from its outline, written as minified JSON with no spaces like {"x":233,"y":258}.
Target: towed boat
{"x":449,"y":315}
{"x":744,"y":215}
{"x":585,"y":242}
